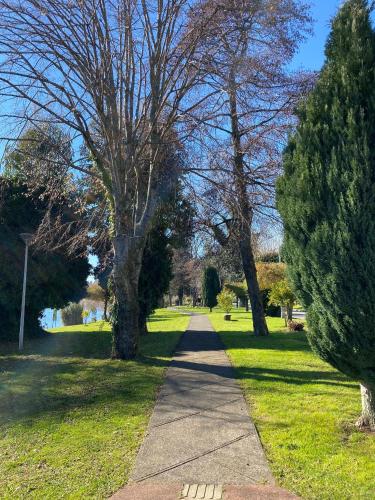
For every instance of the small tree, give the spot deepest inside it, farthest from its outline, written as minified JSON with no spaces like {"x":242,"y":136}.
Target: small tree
{"x":269,"y":273}
{"x":282,"y":295}
{"x":225,"y":300}
{"x":210,"y":287}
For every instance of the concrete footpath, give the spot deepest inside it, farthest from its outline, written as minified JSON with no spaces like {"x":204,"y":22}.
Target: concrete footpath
{"x":201,"y":442}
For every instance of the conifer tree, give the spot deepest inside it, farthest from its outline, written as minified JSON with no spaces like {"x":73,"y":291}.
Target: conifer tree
{"x":210,"y":287}
{"x":326,"y":198}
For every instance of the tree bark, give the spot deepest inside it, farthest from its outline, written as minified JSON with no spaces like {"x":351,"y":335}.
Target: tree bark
{"x":367,"y":419}
{"x":289,"y":312}
{"x":106,"y":297}
{"x":142,"y":324}
{"x":127,"y":265}
{"x":244,"y":218}
{"x":259,"y":320}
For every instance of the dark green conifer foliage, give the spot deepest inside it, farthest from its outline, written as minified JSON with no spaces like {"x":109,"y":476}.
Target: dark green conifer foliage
{"x":210,"y":287}
{"x":54,"y":278}
{"x":172,"y":229}
{"x":326,"y":198}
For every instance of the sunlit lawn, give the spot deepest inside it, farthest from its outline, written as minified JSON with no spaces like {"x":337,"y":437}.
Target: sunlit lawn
{"x":71,"y":419}
{"x":304,"y":410}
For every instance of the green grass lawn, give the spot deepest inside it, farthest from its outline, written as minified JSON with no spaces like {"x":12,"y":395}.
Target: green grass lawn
{"x":304,"y":411}
{"x":71,"y":419}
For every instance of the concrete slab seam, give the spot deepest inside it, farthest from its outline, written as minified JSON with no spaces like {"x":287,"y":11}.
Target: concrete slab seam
{"x":191,"y":459}
{"x":203,"y":410}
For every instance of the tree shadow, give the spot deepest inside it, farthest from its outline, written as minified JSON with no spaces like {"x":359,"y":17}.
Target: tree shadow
{"x":295,"y":377}
{"x":45,"y":388}
{"x":279,"y":341}
{"x":72,"y":370}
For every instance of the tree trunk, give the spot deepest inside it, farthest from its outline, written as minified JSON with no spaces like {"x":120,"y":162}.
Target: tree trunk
{"x":106,"y":296}
{"x":259,"y":320}
{"x":367,"y":419}
{"x":127,"y":265}
{"x":244,"y":218}
{"x":289,"y":312}
{"x":142,"y":324}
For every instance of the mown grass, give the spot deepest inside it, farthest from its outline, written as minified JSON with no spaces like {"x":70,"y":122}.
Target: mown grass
{"x":71,"y":419}
{"x":304,"y":410}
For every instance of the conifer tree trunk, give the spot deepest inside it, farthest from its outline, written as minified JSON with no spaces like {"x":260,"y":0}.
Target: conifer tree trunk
{"x":367,"y":419}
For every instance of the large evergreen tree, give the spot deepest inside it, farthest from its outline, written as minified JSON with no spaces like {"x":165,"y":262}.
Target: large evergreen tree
{"x":210,"y":287}
{"x":35,"y":189}
{"x":327,"y":200}
{"x":172,"y":229}
{"x":54,"y":278}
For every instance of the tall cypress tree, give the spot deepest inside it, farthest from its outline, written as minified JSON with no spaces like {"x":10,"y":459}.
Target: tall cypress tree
{"x":210,"y":287}
{"x":326,"y":198}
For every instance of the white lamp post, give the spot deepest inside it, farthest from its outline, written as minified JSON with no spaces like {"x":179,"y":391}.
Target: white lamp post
{"x":27,"y":237}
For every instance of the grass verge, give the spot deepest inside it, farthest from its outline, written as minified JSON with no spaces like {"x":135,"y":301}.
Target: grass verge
{"x":71,"y":419}
{"x":304,"y":410}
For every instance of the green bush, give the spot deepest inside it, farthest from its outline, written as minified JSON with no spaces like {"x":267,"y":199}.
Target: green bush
{"x":270,"y":309}
{"x":72,"y":314}
{"x":225,"y":300}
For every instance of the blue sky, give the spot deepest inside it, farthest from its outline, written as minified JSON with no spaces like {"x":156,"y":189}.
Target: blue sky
{"x":311,"y":53}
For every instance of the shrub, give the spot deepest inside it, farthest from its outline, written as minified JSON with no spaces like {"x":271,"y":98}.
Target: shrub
{"x":225,"y":300}
{"x":269,"y":309}
{"x":295,"y":326}
{"x":72,"y":314}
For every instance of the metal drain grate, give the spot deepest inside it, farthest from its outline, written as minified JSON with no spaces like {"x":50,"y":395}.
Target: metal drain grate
{"x":202,"y":491}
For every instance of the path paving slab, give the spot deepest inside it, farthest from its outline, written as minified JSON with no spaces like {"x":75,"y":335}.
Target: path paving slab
{"x":201,"y":439}
{"x":200,"y":431}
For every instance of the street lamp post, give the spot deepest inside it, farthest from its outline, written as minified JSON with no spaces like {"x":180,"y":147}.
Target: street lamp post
{"x":26,"y":237}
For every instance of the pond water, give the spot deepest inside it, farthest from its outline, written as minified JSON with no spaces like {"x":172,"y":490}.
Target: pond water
{"x":47,"y":321}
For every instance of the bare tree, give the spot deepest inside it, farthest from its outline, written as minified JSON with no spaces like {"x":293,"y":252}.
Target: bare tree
{"x":248,"y":113}
{"x":114,"y":74}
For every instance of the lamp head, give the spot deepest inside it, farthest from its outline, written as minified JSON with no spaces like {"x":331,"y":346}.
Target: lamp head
{"x":27,"y":237}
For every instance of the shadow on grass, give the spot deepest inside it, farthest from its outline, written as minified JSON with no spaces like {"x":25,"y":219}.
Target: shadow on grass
{"x":89,"y":344}
{"x":65,"y":371}
{"x":295,"y":377}
{"x":280,"y":341}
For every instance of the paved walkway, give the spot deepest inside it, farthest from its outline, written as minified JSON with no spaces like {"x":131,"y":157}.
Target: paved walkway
{"x":201,"y":442}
